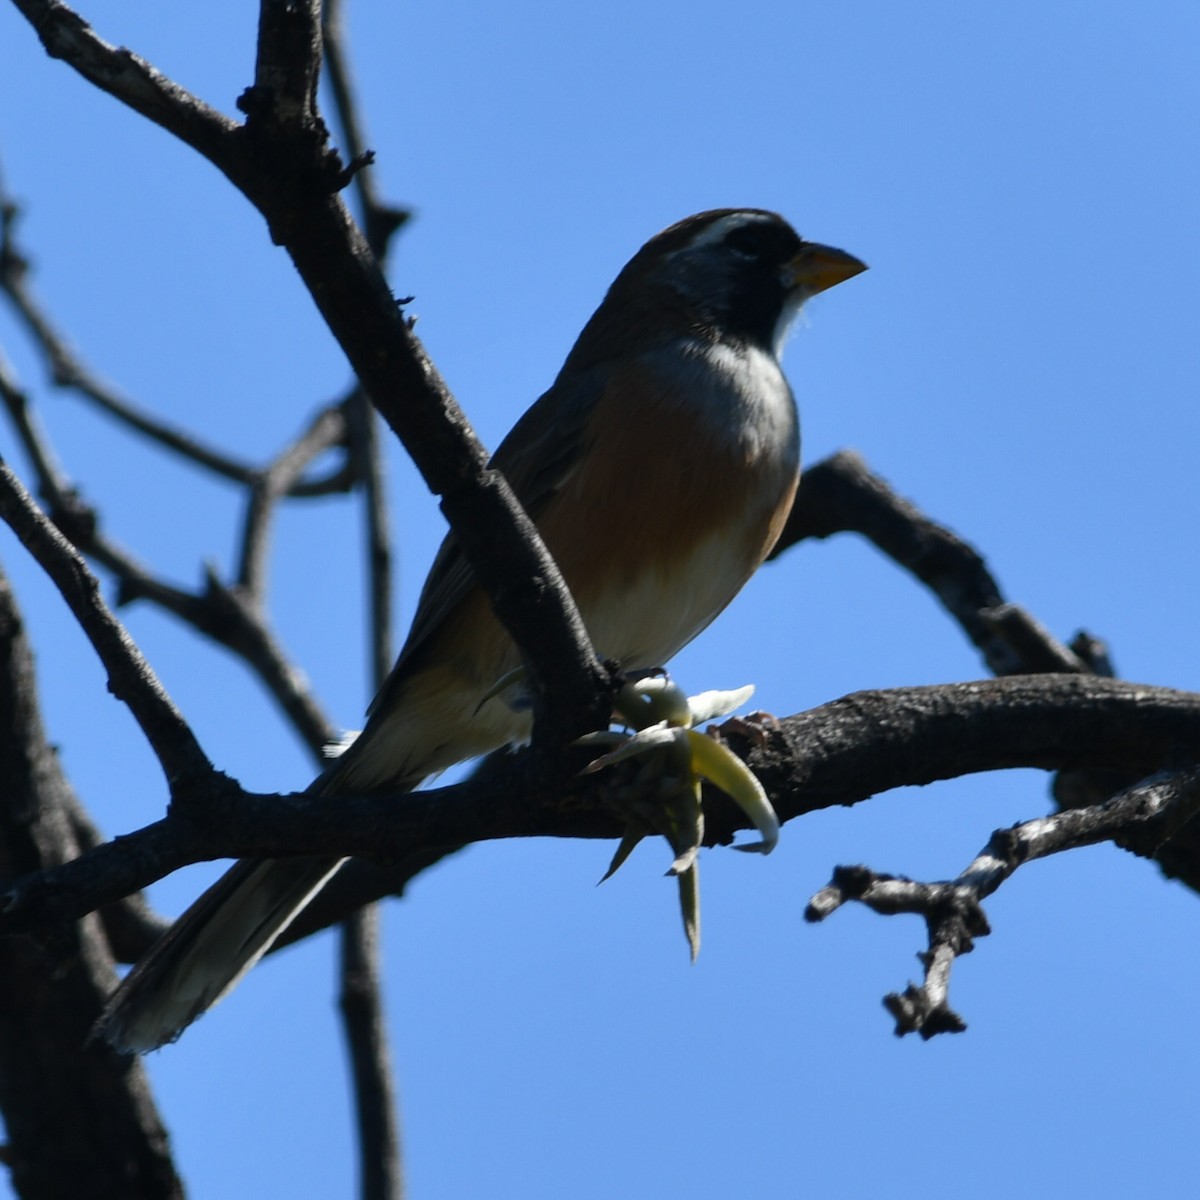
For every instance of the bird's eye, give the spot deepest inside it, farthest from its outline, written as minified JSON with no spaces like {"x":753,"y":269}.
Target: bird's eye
{"x":749,"y":241}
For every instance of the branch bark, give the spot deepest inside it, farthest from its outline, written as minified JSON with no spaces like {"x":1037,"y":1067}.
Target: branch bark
{"x":130,"y":677}
{"x":1149,"y":813}
{"x":80,"y":1119}
{"x":280,"y":161}
{"x":840,"y":753}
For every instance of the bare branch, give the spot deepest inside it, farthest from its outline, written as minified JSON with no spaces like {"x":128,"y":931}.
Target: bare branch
{"x":839,"y":753}
{"x":1149,"y":813}
{"x":380,"y":220}
{"x":129,"y":78}
{"x":130,"y":678}
{"x":287,"y":67}
{"x":236,"y":621}
{"x":842,"y":495}
{"x":52,"y":479}
{"x":1031,"y":643}
{"x":222,"y":614}
{"x":78,"y":1122}
{"x":292,"y":180}
{"x":130,"y":926}
{"x":366,"y":1037}
{"x":68,"y":370}
{"x":326,"y":430}
{"x":230,"y":616}
{"x":367,"y":453}
{"x":375,"y":1095}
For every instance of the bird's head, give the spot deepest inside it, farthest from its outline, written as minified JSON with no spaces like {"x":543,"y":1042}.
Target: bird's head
{"x":737,"y":274}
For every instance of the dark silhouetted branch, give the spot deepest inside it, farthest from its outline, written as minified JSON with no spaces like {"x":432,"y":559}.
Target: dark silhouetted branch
{"x":1147,"y":814}
{"x":80,"y":1120}
{"x":842,"y":495}
{"x":839,"y":753}
{"x":130,"y":678}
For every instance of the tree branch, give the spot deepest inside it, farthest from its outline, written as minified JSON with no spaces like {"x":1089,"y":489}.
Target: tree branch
{"x":130,"y":678}
{"x":79,"y":1122}
{"x":375,"y":1093}
{"x":370,"y":1059}
{"x":1149,"y":813}
{"x":327,"y":430}
{"x":128,"y":78}
{"x":292,"y":180}
{"x":840,"y":753}
{"x":842,"y":495}
{"x":380,"y":220}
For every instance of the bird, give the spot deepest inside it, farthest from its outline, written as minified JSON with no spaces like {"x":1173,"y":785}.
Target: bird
{"x":659,"y":468}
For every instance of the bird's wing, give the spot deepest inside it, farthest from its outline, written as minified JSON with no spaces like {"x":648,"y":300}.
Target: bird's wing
{"x":537,"y":458}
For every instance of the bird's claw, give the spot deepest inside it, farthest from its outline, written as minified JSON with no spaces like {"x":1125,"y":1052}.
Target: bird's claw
{"x":664,"y":719}
{"x":755,"y":727}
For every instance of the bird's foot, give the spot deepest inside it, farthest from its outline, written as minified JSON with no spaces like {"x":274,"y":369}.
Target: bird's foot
{"x":677,"y":758}
{"x":755,"y":727}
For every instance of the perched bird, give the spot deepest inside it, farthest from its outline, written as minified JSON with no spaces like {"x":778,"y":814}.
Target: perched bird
{"x":659,"y":469}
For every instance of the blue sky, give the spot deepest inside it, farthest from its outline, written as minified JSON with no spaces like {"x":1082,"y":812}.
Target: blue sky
{"x":1021,"y":361}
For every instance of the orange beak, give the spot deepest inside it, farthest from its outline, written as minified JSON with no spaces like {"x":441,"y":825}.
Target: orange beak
{"x":818,"y":267}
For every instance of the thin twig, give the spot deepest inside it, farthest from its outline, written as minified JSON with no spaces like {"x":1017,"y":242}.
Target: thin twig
{"x":68,"y":370}
{"x":1149,"y":812}
{"x":326,"y":430}
{"x":70,"y":512}
{"x":367,"y":453}
{"x":52,"y":480}
{"x":130,"y":677}
{"x":236,"y":620}
{"x":380,"y":220}
{"x":222,"y":613}
{"x":376,"y":1108}
{"x":375,"y":1091}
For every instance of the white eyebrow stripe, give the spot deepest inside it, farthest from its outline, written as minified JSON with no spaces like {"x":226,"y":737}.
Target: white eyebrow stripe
{"x":717,"y":230}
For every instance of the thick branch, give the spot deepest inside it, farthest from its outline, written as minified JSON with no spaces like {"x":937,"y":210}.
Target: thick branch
{"x":842,"y":495}
{"x":79,"y":1122}
{"x":840,"y":753}
{"x":129,"y":78}
{"x":288,"y":65}
{"x":498,"y":539}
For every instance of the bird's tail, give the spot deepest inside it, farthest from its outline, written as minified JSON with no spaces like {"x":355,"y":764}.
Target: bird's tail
{"x":232,"y":925}
{"x":209,"y":948}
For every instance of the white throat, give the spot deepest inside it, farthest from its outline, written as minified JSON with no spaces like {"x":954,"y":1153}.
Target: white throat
{"x":765,"y":412}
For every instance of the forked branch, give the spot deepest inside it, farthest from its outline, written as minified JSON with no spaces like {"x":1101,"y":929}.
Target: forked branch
{"x":1149,"y":813}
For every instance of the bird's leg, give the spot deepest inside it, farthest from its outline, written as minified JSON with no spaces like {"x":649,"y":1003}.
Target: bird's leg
{"x":674,"y":759}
